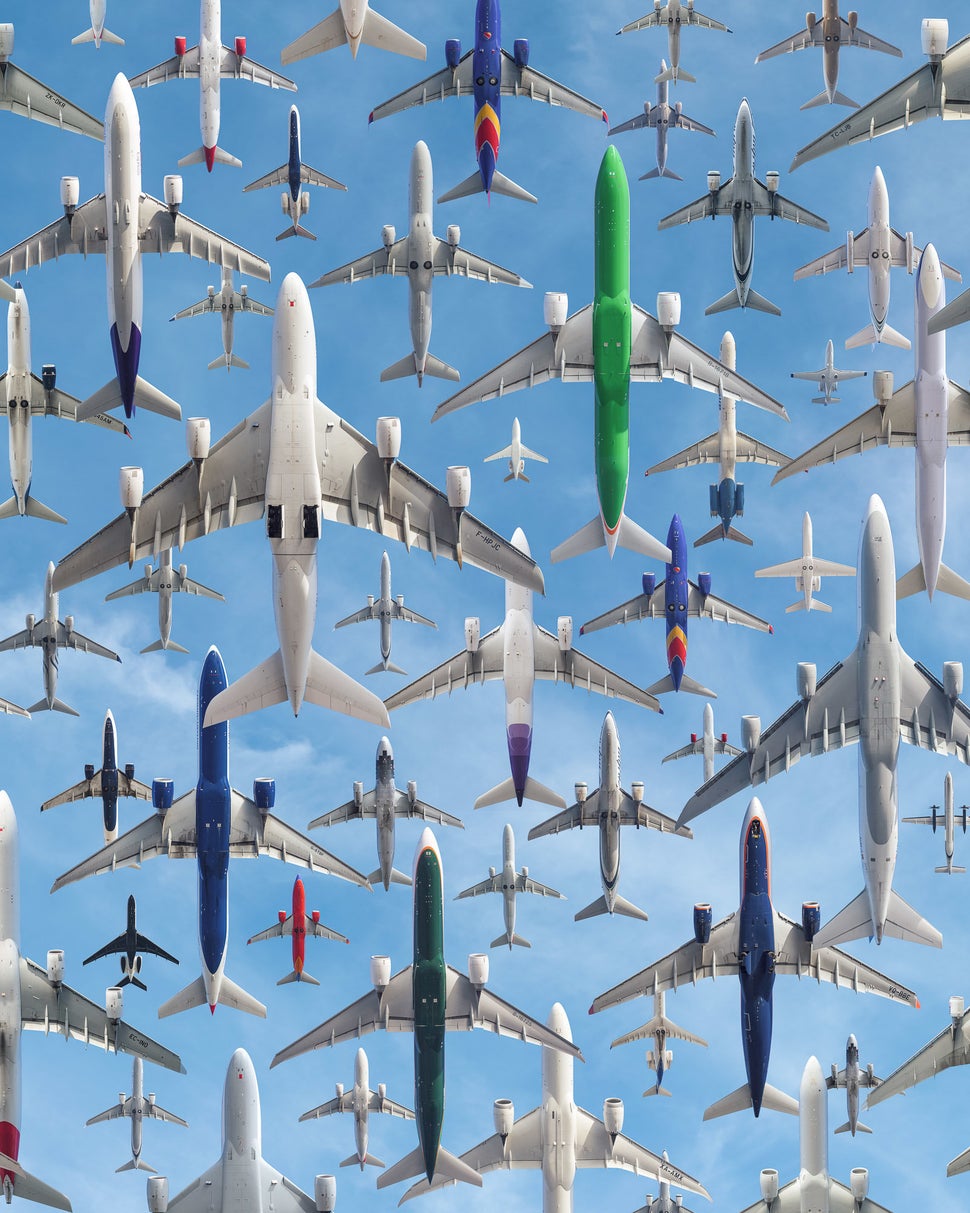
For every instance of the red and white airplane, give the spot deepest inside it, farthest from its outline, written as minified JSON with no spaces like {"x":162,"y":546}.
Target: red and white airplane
{"x":298,"y":926}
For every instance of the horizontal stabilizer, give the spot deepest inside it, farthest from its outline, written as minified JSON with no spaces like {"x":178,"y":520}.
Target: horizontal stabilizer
{"x":629,"y":535}
{"x":194,"y":995}
{"x":159,"y":646}
{"x":674,"y":74}
{"x":949,"y":868}
{"x":368,"y":1161}
{"x":534,"y":790}
{"x":296,"y":230}
{"x":401,"y":369}
{"x":772,"y":1099}
{"x":664,"y":685}
{"x":859,"y":1128}
{"x":655,"y":172}
{"x":914,"y":582}
{"x":439,"y":370}
{"x":620,"y":906}
{"x":29,"y":1187}
{"x":386,"y":36}
{"x":447,"y":1166}
{"x":755,"y":301}
{"x":387,"y":667}
{"x":57,"y":706}
{"x":504,"y":941}
{"x":88,"y":36}
{"x":133,"y":1164}
{"x":324,"y":36}
{"x":500,"y":185}
{"x":825,"y":399}
{"x":35,"y":509}
{"x":512,"y":476}
{"x":817,"y":605}
{"x":228,"y":363}
{"x":295,"y":976}
{"x":656,"y":1091}
{"x":147,"y":397}
{"x":717,"y":532}
{"x":376,"y":877}
{"x":825,"y":99}
{"x":202,"y":155}
{"x":855,"y":922}
{"x":725,"y":304}
{"x":869,"y":336}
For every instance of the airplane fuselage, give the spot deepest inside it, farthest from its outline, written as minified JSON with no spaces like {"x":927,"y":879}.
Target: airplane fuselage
{"x":880,"y":252}
{"x":808,"y":581}
{"x":429,"y":981}
{"x":664,"y":120}
{"x":516,"y":462}
{"x":609,"y":810}
{"x":727,"y":436}
{"x":674,"y":19}
{"x":210,"y":70}
{"x":814,"y":1185}
{"x":128,"y":966}
{"x":361,"y":1098}
{"x":676,"y":592}
{"x":421,"y":246}
{"x":831,"y":43}
{"x":742,"y":216}
{"x":518,"y":675}
{"x":227,"y":310}
{"x":558,"y":1125}
{"x":828,"y":381}
{"x":18,"y":398}
{"x":48,"y":645}
{"x":384,"y":610}
{"x":707,"y":752}
{"x":756,"y":943}
{"x":354,"y":13}
{"x":166,"y":586}
{"x":242,"y":1138}
{"x":213,"y":815}
{"x":298,"y":937}
{"x":137,"y":1107}
{"x":508,"y":882}
{"x":487,"y":87}
{"x":852,"y":1077}
{"x":10,"y":1007}
{"x":932,"y":399}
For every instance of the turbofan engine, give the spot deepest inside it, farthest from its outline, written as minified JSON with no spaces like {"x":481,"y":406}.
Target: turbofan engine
{"x":811,"y":919}
{"x":388,"y":235}
{"x":806,"y":678}
{"x":703,"y":918}
{"x":769,"y":1185}
{"x":935,"y":34}
{"x":325,"y":1193}
{"x":55,"y":966}
{"x":520,"y":52}
{"x":454,"y":235}
{"x":458,"y":481}
{"x":70,"y":192}
{"x":859,"y":1183}
{"x":157,"y":1194}
{"x":163,"y":793}
{"x":380,"y":972}
{"x":452,"y":52}
{"x":264,"y":794}
{"x":389,"y":437}
{"x":613,"y":1115}
{"x":750,"y":732}
{"x":473,"y":629}
{"x":555,"y":306}
{"x":478,"y":969}
{"x":172,"y":192}
{"x":503,"y":1116}
{"x":668,"y":310}
{"x":198,"y":439}
{"x":114,"y":1003}
{"x":131,"y":485}
{"x":953,"y":679}
{"x":564,"y":632}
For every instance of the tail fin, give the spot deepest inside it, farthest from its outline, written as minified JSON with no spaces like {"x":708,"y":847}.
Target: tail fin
{"x":210,"y":156}
{"x":869,"y":336}
{"x":859,"y":1128}
{"x":29,"y":1187}
{"x":772,"y":1099}
{"x":855,"y":922}
{"x":717,"y":532}
{"x":620,"y":906}
{"x":194,"y":995}
{"x":32,"y":509}
{"x":674,"y":74}
{"x":57,"y":706}
{"x":655,"y":172}
{"x":133,"y":1164}
{"x":295,"y":976}
{"x":628,"y":535}
{"x":159,"y":646}
{"x":147,"y":397}
{"x":446,"y":1165}
{"x":228,"y":362}
{"x":656,"y":1091}
{"x":825,"y":99}
{"x":534,"y":790}
{"x":386,"y":666}
{"x":296,"y":230}
{"x":502,"y":941}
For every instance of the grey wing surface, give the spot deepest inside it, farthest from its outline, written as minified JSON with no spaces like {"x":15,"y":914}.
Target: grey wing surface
{"x":578,"y":670}
{"x":795,"y":42}
{"x":596,"y":1148}
{"x":241,"y":67}
{"x":449,"y":82}
{"x":362,"y":616}
{"x":750,"y":450}
{"x":521,"y":1148}
{"x":162,"y":232}
{"x":492,"y":884}
{"x":350,"y":811}
{"x":525,"y":884}
{"x":578,"y":815}
{"x":708,"y":450}
{"x":333,"y":1107}
{"x":788,"y":1200}
{"x":951,"y":1047}
{"x":253,"y":833}
{"x":76,"y":640}
{"x":277,"y":176}
{"x":113,"y":1113}
{"x":178,"y":67}
{"x":449,"y":260}
{"x":157,"y":1113}
{"x":854,"y":36}
{"x":527,"y":82}
{"x":468,"y":1007}
{"x":409,"y":616}
{"x":80,"y":791}
{"x":928,"y":717}
{"x":26,"y":96}
{"x":644,"y":606}
{"x":709,"y":606}
{"x":460,"y":671}
{"x":780,"y":207}
{"x":204,"y":307}
{"x":705,"y":207}
{"x":392,"y":260}
{"x":85,"y":232}
{"x":246,"y":303}
{"x":404,"y":806}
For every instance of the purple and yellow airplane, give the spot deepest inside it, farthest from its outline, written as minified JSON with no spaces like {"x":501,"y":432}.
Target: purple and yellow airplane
{"x":490,"y":73}
{"x":680,"y":599}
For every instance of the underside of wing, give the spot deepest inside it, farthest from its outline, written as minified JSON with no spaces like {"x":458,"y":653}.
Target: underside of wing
{"x":178,"y":67}
{"x":644,"y":606}
{"x":80,"y":791}
{"x":928,"y":716}
{"x":596,"y":1147}
{"x":795,"y":42}
{"x":780,"y":207}
{"x":85,"y":232}
{"x":470,"y":1007}
{"x":958,"y":415}
{"x":492,"y":884}
{"x":351,"y":811}
{"x":26,"y":96}
{"x":750,"y":450}
{"x":277,"y":176}
{"x":391,"y":260}
{"x":951,"y":1047}
{"x":241,"y":67}
{"x":708,"y":450}
{"x":253,"y":833}
{"x":704,"y":207}
{"x":836,"y":259}
{"x":709,"y":606}
{"x":578,"y":815}
{"x":144,"y":944}
{"x":159,"y":231}
{"x":449,"y":259}
{"x":577,"y":670}
{"x":460,"y":671}
{"x":202,"y":1195}
{"x":391,"y":1009}
{"x":527,"y":82}
{"x":449,"y":82}
{"x":117,"y":945}
{"x":852,"y":35}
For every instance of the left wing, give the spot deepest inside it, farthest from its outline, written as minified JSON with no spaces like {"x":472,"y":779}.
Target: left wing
{"x":376,"y":1102}
{"x":179,"y":67}
{"x":399,"y":611}
{"x":449,"y":82}
{"x":158,"y":1113}
{"x":144,"y":944}
{"x":796,"y":42}
{"x":709,"y":606}
{"x":159,"y":231}
{"x":88,"y":788}
{"x":596,"y":1147}
{"x":84,"y":232}
{"x":928,"y":717}
{"x":246,"y":303}
{"x":644,"y":606}
{"x":72,"y":639}
{"x":364,"y":615}
{"x":578,"y":670}
{"x":52,"y":402}
{"x":253,"y":833}
{"x":520,"y":1148}
{"x":493,"y":884}
{"x":525,"y":884}
{"x":527,"y":82}
{"x":705,"y":207}
{"x":279,"y":929}
{"x":22,"y":94}
{"x":852,"y":35}
{"x":470,"y":1006}
{"x":116,"y":945}
{"x":241,"y":67}
{"x":766,"y":202}
{"x":950,"y":1048}
{"x":577,"y":816}
{"x":449,"y":259}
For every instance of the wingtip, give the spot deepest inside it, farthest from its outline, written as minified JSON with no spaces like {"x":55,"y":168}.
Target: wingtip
{"x":605,"y":118}
{"x":370,"y":117}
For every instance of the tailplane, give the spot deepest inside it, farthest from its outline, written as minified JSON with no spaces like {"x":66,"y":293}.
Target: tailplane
{"x":674,"y":74}
{"x":210,"y":156}
{"x":859,"y":1128}
{"x":772,"y":1099}
{"x":855,"y":922}
{"x":58,"y":705}
{"x":296,"y":230}
{"x":295,"y":976}
{"x":620,"y":906}
{"x":500,"y":185}
{"x":503,"y":941}
{"x":32,"y":509}
{"x":159,"y":646}
{"x":628,"y":535}
{"x":228,"y":361}
{"x":534,"y":790}
{"x":447,"y":1166}
{"x":89,"y":36}
{"x":717,"y":532}
{"x":195,"y":995}
{"x":146,"y":397}
{"x":133,"y":1164}
{"x":367,"y":1161}
{"x":386,"y":667}
{"x":655,"y":172}
{"x":664,"y":685}
{"x":825,"y":99}
{"x":29,"y":1187}
{"x":869,"y":336}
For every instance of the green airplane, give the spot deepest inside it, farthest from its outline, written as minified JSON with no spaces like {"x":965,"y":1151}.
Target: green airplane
{"x":609,"y":343}
{"x":428,"y":998}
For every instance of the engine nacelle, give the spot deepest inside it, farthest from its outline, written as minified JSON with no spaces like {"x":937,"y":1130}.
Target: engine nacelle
{"x":649,"y":582}
{"x":703,"y":917}
{"x":264,"y":794}
{"x":750,"y":732}
{"x":678,"y":108}
{"x":581,"y":791}
{"x":244,"y":290}
{"x":953,"y":679}
{"x":636,"y":791}
{"x":285,"y":202}
{"x":382,"y":1091}
{"x":380,"y":972}
{"x":525,"y":870}
{"x":452,"y":52}
{"x":850,"y":252}
{"x":503,"y":1117}
{"x":668,"y":310}
{"x":389,"y":437}
{"x":458,"y":482}
{"x":69,"y":624}
{"x":666,"y":1058}
{"x":163,"y":793}
{"x":555,"y":308}
{"x":520,"y":52}
{"x":956,"y":1007}
{"x":853,"y":19}
{"x":935,"y":34}
{"x":325,"y":1193}
{"x":55,"y":966}
{"x":131,"y":485}
{"x":172,"y":187}
{"x":304,"y":202}
{"x":882,"y":387}
{"x":806,"y":678}
{"x":412,"y":791}
{"x":810,"y":19}
{"x":772,"y":181}
{"x":491,"y":871}
{"x":704,"y":583}
{"x":859,"y":1183}
{"x":198,"y":438}
{"x":478,"y":969}
{"x":30,"y":620}
{"x":88,"y":766}
{"x":811,"y":919}
{"x":70,"y":192}
{"x":613,"y":1115}
{"x":473,"y":629}
{"x":769,"y":1185}
{"x":239,"y":46}
{"x":388,"y":235}
{"x":713,"y":181}
{"x":151,"y":1098}
{"x":315,"y":916}
{"x":181,"y":45}
{"x":6,"y":40}
{"x":910,"y":259}
{"x":454,"y":235}
{"x":114,"y":1003}
{"x":564,"y":632}
{"x":158,"y":1184}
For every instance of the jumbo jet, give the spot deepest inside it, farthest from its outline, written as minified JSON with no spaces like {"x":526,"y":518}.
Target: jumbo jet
{"x":385,"y":610}
{"x":96,"y":32}
{"x":707,"y":745}
{"x":828,"y":377}
{"x":420,"y":256}
{"x":852,"y":1079}
{"x":145,"y":225}
{"x":744,"y":197}
{"x":136,"y":1107}
{"x":22,"y":94}
{"x":211,"y":63}
{"x":516,"y":453}
{"x":165,"y":580}
{"x":808,"y":571}
{"x":663,"y":117}
{"x":127,"y":947}
{"x":519,"y":651}
{"x":659,"y":1028}
{"x":606,"y":809}
{"x":758,"y":943}
{"x":298,"y":924}
{"x":226,"y":302}
{"x":674,"y":16}
{"x":354,"y":23}
{"x":948,"y":819}
{"x":841,"y":709}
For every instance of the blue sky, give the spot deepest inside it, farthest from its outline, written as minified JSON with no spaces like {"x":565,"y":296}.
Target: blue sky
{"x":812,"y":811}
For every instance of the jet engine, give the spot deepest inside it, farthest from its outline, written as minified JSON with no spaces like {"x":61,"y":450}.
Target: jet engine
{"x":704,"y":583}
{"x":412,"y":791}
{"x":636,"y":791}
{"x":389,"y":437}
{"x":388,"y":235}
{"x":114,"y":1003}
{"x":772,"y":180}
{"x":810,"y":19}
{"x":380,"y":972}
{"x":564,"y":631}
{"x":131,"y":483}
{"x":358,"y":793}
{"x":458,"y":482}
{"x":613,"y":1115}
{"x":910,"y":258}
{"x":151,"y":1098}
{"x":158,"y":1184}
{"x":70,"y":192}
{"x":163,"y":793}
{"x":520,"y":52}
{"x":503,"y":1117}
{"x":304,"y":202}
{"x":956,"y":1007}
{"x":653,"y":1060}
{"x":668,"y":310}
{"x":181,"y":45}
{"x":472,"y":632}
{"x":555,"y":308}
{"x":935,"y":34}
{"x":6,"y":41}
{"x":649,"y":582}
{"x":382,"y":1091}
{"x":325,"y":1193}
{"x":88,"y":766}
{"x":55,"y":966}
{"x":264,"y":794}
{"x":30,"y":620}
{"x":882,"y":387}
{"x":198,"y":439}
{"x":853,"y":19}
{"x":769,"y":1184}
{"x":48,"y":376}
{"x":210,"y":290}
{"x":750,"y":732}
{"x":172,"y":187}
{"x":454,"y":235}
{"x":244,"y":290}
{"x":285,"y":202}
{"x":478,"y":969}
{"x":452,"y":52}
{"x":806,"y":679}
{"x":69,"y":624}
{"x":850,"y":252}
{"x":713,"y":181}
{"x":703,"y":917}
{"x":647,"y":107}
{"x":581,"y":790}
{"x":239,"y":46}
{"x":859,"y":1183}
{"x":953,"y":679}
{"x":811,"y":919}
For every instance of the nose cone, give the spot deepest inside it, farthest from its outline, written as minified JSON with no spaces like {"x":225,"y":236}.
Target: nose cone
{"x":674,"y":532}
{"x":878,"y":194}
{"x":558,"y":1021}
{"x":421,"y":157}
{"x":812,"y":1085}
{"x":729,"y":351}
{"x":929,"y":280}
{"x":8,"y":821}
{"x":852,"y":1043}
{"x":427,"y":843}
{"x":120,"y":95}
{"x":292,"y":298}
{"x":520,"y":542}
{"x":384,"y":749}
{"x":744,"y":116}
{"x":608,"y":734}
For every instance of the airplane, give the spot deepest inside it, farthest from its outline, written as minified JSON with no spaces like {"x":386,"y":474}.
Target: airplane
{"x":164,"y":580}
{"x":744,"y":197}
{"x":681,"y":599}
{"x":608,"y":808}
{"x":880,"y":248}
{"x":384,"y":802}
{"x":108,"y":783}
{"x":828,"y":378}
{"x":227,"y":301}
{"x":428,"y":998}
{"x":727,"y":447}
{"x":35,"y":997}
{"x":662,"y":117}
{"x":49,"y":635}
{"x":385,"y":610}
{"x":949,"y":822}
{"x":298,"y":925}
{"x":354,"y":22}
{"x":661,"y":1029}
{"x":26,"y":397}
{"x":24,"y":95}
{"x":129,"y":943}
{"x":664,"y":1203}
{"x":489,"y":73}
{"x":211,"y":62}
{"x":559,"y":1137}
{"x":759,"y":944}
{"x":570,"y":352}
{"x":838,"y":710}
{"x":674,"y":16}
{"x":294,"y":175}
{"x":808,"y":572}
{"x":298,"y":463}
{"x":509,"y":882}
{"x":161,"y":227}
{"x":516,"y":453}
{"x":360,"y":1100}
{"x":814,"y":1188}
{"x":212,"y":824}
{"x":936,"y":90}
{"x":929,"y":413}
{"x":852,"y":1078}
{"x":421,"y":257}
{"x":519,"y":651}
{"x":707,"y":745}
{"x":829,"y":33}
{"x":240,"y":1176}
{"x":97,"y":33}
{"x":135,"y":1107}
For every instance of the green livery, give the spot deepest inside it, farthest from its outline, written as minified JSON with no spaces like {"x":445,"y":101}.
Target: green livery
{"x":429,"y":990}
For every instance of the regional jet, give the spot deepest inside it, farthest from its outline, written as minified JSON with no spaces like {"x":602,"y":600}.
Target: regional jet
{"x":227,"y":301}
{"x":516,"y":453}
{"x":298,"y":924}
{"x":660,"y":1029}
{"x":385,"y":610}
{"x":662,"y":117}
{"x":707,"y":745}
{"x":135,"y":1107}
{"x":808,"y":571}
{"x":852,"y":1079}
{"x":355,"y":23}
{"x":165,"y":580}
{"x":22,"y":94}
{"x":948,"y":819}
{"x":828,"y":378}
{"x":127,"y":947}
{"x":674,"y":15}
{"x":96,"y":32}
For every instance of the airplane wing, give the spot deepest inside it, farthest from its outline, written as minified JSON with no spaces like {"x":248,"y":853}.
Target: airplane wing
{"x":708,"y":450}
{"x":203,"y":308}
{"x":47,"y":1007}
{"x":709,"y":606}
{"x":144,"y":944}
{"x":640,"y":122}
{"x":595,"y":1147}
{"x":351,"y":811}
{"x":80,"y":791}
{"x":794,"y":568}
{"x":109,"y":949}
{"x":750,"y":450}
{"x":804,"y":39}
{"x":689,"y":124}
{"x":842,"y":1200}
{"x":788,"y":1200}
{"x":387,"y":1107}
{"x":779,"y":207}
{"x":158,"y":1113}
{"x":185,"y":585}
{"x":362,"y":616}
{"x":391,"y":259}
{"x":578,"y":815}
{"x":636,"y":813}
{"x":52,"y":402}
{"x":24,"y":639}
{"x":521,"y":1148}
{"x":85,"y":232}
{"x":852,"y":35}
{"x":578,"y":670}
{"x":176,"y":68}
{"x":928,"y":717}
{"x":253,"y":833}
{"x":493,"y":884}
{"x":705,"y":207}
{"x":692,"y":17}
{"x":451,"y":260}
{"x":82,"y":644}
{"x":399,"y":611}
{"x":951,"y":1047}
{"x":404,"y":806}
{"x":689,"y":963}
{"x":644,"y":606}
{"x":246,"y":303}
{"x":162,"y":232}
{"x":241,"y":67}
{"x":527,"y":82}
{"x":113,"y":1113}
{"x":469,"y":1007}
{"x":24,"y":95}
{"x":333,"y":1107}
{"x":449,"y":82}
{"x":958,"y":415}
{"x":526,"y":884}
{"x":275,"y":1191}
{"x":837,"y":258}
{"x":484,"y":665}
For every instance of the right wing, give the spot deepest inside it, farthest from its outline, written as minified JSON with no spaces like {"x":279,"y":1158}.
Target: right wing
{"x":80,"y":791}
{"x":750,"y":450}
{"x":159,"y":231}
{"x":708,"y":450}
{"x":113,"y":1113}
{"x":449,"y":259}
{"x":404,"y":806}
{"x":462,"y":670}
{"x":203,"y":308}
{"x":644,"y":606}
{"x":408,"y":616}
{"x":274,"y":1191}
{"x":116,"y":945}
{"x":351,"y":811}
{"x":950,"y":1048}
{"x":178,"y":67}
{"x":157,"y":1113}
{"x":705,"y":207}
{"x":578,"y":670}
{"x":144,"y":944}
{"x":468,"y":1007}
{"x":253,"y":832}
{"x":837,"y":258}
{"x":449,"y":82}
{"x":577,"y":816}
{"x":333,"y":1107}
{"x":385,"y":260}
{"x":362,"y":616}
{"x":521,"y":1148}
{"x":85,"y":232}
{"x":788,"y":1200}
{"x":526,"y":884}
{"x":493,"y":884}
{"x":796,"y":42}
{"x":26,"y":96}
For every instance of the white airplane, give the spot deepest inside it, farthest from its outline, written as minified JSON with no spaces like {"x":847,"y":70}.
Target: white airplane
{"x":294,"y":174}
{"x":35,"y":998}
{"x":420,"y":256}
{"x":240,"y":1176}
{"x":360,"y":1100}
{"x":49,"y":635}
{"x":815,"y":1190}
{"x":838,"y":710}
{"x":727,"y":447}
{"x":929,"y":413}
{"x":664,"y":1202}
{"x":674,"y":16}
{"x":707,"y":745}
{"x":516,"y":453}
{"x":852,"y":1078}
{"x":880,"y":248}
{"x":828,"y":377}
{"x":227,"y":301}
{"x":97,"y":32}
{"x":661,"y":1029}
{"x":559,"y":1138}
{"x":165,"y":580}
{"x":744,"y":197}
{"x":27,"y":397}
{"x":829,"y":33}
{"x":385,"y":610}
{"x":949,"y":823}
{"x":135,"y":1107}
{"x":808,"y":573}
{"x":211,"y":62}
{"x":662,"y":117}
{"x":508,"y":882}
{"x":147,"y":225}
{"x":296,"y":462}
{"x":22,"y":94}
{"x":519,"y":651}
{"x":353,"y":23}
{"x":608,"y":808}
{"x":384,"y":802}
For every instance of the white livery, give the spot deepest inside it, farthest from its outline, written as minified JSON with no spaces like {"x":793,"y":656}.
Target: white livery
{"x":385,"y":610}
{"x":949,"y":820}
{"x":227,"y":302}
{"x":852,"y":1079}
{"x":673,"y":16}
{"x":516,"y":453}
{"x":165,"y":580}
{"x":97,"y":32}
{"x":660,"y":1029}
{"x":22,"y":94}
{"x":707,"y":745}
{"x":353,"y":23}
{"x":663,"y":117}
{"x":808,"y":573}
{"x":828,"y":377}
{"x":136,"y":1107}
